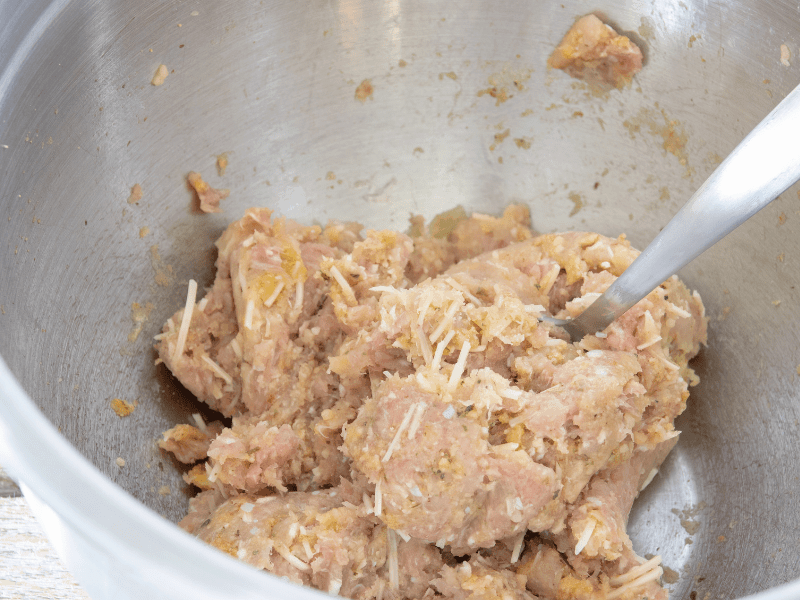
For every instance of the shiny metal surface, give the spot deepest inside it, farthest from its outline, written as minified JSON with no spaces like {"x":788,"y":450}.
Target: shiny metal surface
{"x":759,"y":169}
{"x":273,"y":84}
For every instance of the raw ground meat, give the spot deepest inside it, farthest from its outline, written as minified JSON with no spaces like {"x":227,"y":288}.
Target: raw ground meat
{"x":402,"y":425}
{"x":593,"y":51}
{"x":188,"y":443}
{"x":209,"y":197}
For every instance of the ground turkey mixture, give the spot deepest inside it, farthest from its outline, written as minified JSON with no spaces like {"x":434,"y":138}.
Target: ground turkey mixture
{"x":593,"y":51}
{"x":397,"y":422}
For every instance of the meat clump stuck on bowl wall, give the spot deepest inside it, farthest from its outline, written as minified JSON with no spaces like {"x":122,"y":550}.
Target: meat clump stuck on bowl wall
{"x":404,"y":426}
{"x":594,"y":52}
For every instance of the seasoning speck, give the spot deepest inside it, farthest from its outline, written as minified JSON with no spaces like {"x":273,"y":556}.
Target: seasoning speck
{"x":222,"y":163}
{"x":364,"y":90}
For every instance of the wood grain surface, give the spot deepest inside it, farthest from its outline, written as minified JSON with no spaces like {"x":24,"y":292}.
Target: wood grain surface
{"x":8,"y":489}
{"x":29,"y":567}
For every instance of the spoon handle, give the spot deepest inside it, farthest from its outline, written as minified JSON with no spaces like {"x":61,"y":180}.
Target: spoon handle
{"x":759,"y":169}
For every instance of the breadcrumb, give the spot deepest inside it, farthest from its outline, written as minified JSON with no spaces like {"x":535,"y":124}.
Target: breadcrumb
{"x":122,"y":408}
{"x":136,"y":194}
{"x":161,"y":74}
{"x":222,"y":163}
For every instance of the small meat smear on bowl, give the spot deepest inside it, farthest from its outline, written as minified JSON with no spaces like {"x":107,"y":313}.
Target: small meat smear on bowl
{"x":209,"y":197}
{"x":593,"y":51}
{"x":402,"y":424}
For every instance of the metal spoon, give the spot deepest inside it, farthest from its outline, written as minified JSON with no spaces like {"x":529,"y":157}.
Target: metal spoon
{"x":759,"y":169}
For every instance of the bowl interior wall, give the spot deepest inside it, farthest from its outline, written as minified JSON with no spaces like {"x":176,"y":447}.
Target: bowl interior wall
{"x":273,"y":85}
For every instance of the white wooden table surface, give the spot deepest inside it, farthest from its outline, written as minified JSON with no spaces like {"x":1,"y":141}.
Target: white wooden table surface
{"x":29,"y":567}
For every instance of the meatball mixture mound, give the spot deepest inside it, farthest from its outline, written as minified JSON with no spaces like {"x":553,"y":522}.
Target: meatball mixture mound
{"x":398,"y":422}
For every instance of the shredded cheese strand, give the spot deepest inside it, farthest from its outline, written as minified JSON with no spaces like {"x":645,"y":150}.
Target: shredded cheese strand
{"x":585,"y":536}
{"x":518,"y":547}
{"x":424,"y":346}
{"x":346,"y":289}
{"x":412,"y":429}
{"x":274,"y":296}
{"x":403,"y":424}
{"x":291,"y":558}
{"x":437,"y":358}
{"x":248,"y":314}
{"x":458,"y":369}
{"x":678,"y":310}
{"x":533,"y":565}
{"x":378,"y":498}
{"x":186,"y":319}
{"x":446,"y":321}
{"x":308,"y":550}
{"x":384,"y":288}
{"x":511,"y":393}
{"x":669,"y":364}
{"x":635,"y":571}
{"x":467,"y":294}
{"x":549,"y":279}
{"x":218,"y":370}
{"x":334,"y":586}
{"x":299,"y":289}
{"x":636,"y":583}
{"x":649,"y":343}
{"x":242,"y":280}
{"x":201,"y":424}
{"x":211,"y":473}
{"x":650,"y":477}
{"x":394,"y":579}
{"x":423,"y":310}
{"x":237,"y":349}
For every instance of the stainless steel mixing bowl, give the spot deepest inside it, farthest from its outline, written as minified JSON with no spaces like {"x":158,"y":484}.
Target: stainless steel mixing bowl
{"x":273,"y":84}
